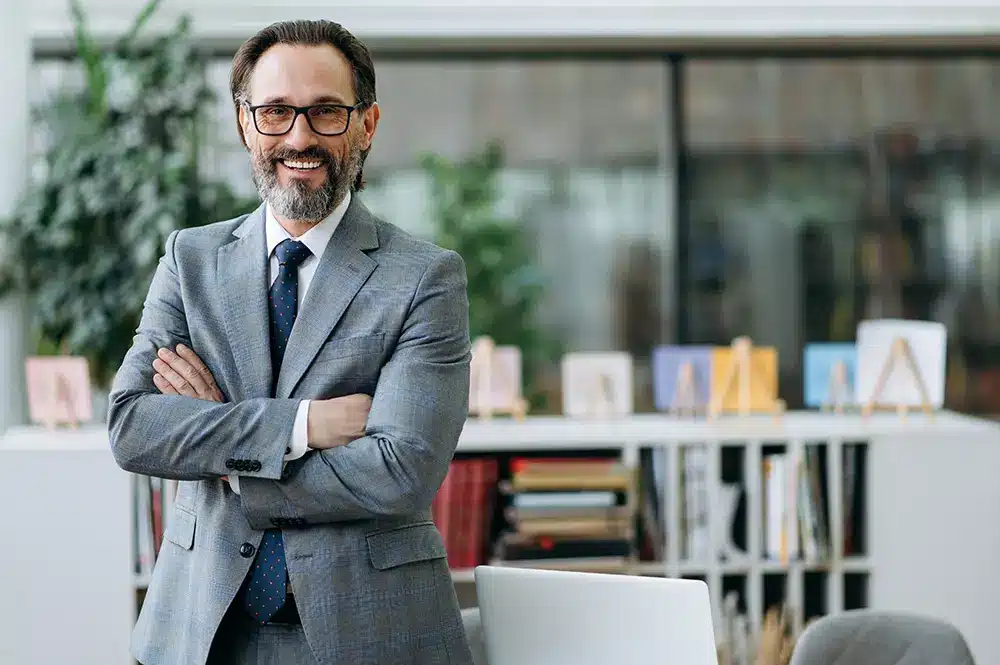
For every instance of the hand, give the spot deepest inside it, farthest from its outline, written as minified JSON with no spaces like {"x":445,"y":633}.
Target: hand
{"x":338,"y":421}
{"x":183,"y":373}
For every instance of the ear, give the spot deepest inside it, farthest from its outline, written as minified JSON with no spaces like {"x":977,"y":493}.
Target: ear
{"x":371,"y":117}
{"x":246,"y":125}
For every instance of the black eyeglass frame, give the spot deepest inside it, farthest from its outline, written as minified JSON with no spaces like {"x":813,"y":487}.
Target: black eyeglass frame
{"x":304,"y":110}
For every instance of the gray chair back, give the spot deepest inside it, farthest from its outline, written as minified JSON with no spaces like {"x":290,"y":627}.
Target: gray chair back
{"x":868,"y":637}
{"x":474,"y":631}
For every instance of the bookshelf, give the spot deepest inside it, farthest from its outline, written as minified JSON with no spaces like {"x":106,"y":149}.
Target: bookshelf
{"x":927,"y":535}
{"x":922,"y":516}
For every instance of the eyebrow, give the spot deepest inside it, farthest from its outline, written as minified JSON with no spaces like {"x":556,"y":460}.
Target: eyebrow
{"x":322,"y":99}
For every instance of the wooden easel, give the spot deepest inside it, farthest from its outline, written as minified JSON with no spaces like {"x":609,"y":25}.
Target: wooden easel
{"x":61,"y":397}
{"x":899,"y":352}
{"x":740,"y":371}
{"x":600,"y":398}
{"x":685,"y":395}
{"x":838,"y":391}
{"x":482,"y":385}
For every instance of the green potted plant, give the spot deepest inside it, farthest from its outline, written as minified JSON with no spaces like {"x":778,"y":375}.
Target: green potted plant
{"x":119,"y":172}
{"x":505,"y":284}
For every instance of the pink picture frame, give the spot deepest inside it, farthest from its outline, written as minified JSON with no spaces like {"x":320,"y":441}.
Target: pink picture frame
{"x":59,"y":391}
{"x":495,"y":386}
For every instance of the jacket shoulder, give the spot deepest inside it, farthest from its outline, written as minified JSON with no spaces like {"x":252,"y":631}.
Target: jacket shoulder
{"x":208,"y":236}
{"x":397,"y":244}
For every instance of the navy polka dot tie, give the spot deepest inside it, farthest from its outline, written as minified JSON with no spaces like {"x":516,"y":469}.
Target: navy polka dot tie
{"x":266,"y":590}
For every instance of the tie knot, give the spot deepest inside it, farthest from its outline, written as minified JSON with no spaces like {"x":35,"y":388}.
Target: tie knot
{"x":291,"y":253}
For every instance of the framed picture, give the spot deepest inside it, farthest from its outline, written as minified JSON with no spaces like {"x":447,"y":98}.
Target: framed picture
{"x":682,"y":377}
{"x":829,"y":371}
{"x":495,"y":385}
{"x":58,"y":390}
{"x":597,"y":384}
{"x":901,"y":363}
{"x":759,"y":375}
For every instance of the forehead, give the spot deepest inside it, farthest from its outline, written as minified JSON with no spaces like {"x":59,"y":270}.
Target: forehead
{"x":300,"y":75}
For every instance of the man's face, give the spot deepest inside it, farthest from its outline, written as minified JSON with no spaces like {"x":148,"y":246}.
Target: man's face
{"x":303,"y":174}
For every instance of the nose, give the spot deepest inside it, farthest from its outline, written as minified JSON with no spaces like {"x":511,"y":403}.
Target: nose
{"x":301,"y":135}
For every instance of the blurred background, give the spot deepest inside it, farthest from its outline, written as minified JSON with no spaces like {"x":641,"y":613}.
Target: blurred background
{"x":615,"y":177}
{"x":671,"y":173}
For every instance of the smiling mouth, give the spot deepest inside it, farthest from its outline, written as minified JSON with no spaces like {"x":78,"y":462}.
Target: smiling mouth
{"x":301,"y":165}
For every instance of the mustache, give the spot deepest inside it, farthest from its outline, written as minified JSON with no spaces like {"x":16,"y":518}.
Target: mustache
{"x":312,"y":153}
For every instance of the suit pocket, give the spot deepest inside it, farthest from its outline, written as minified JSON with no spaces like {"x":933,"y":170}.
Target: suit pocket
{"x":406,"y":544}
{"x":180,"y":528}
{"x":347,"y":347}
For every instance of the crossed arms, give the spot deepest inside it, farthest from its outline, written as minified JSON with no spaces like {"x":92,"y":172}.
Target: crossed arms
{"x":416,"y":415}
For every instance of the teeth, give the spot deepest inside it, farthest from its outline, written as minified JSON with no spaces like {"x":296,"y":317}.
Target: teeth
{"x":303,"y":165}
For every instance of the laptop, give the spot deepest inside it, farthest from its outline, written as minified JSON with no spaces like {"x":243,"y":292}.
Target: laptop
{"x":548,"y":617}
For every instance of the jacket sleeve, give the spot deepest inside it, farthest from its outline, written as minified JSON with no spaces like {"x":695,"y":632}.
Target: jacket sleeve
{"x":183,"y":438}
{"x":417,"y":415}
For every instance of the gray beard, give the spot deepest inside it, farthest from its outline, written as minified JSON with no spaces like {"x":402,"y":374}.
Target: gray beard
{"x":298,"y":201}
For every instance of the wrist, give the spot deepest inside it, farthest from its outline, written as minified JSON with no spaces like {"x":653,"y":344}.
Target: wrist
{"x":311,"y":428}
{"x":316,"y":429}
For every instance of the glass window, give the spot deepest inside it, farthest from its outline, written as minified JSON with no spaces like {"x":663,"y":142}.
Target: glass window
{"x":826,"y":191}
{"x":586,"y":176}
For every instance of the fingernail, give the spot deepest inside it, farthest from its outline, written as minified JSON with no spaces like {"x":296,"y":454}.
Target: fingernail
{"x":181,"y":347}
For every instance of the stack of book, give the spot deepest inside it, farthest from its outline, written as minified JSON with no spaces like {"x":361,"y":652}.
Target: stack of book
{"x":570,"y":513}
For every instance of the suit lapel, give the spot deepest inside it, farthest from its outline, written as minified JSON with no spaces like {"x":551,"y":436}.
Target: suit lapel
{"x":342,"y":271}
{"x":243,"y":284}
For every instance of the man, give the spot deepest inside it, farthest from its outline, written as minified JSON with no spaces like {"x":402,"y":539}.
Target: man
{"x":301,"y":531}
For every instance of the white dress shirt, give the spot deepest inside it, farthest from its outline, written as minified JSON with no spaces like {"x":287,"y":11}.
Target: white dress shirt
{"x":316,"y":239}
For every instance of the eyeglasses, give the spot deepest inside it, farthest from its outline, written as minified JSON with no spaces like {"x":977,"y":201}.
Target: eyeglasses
{"x":324,"y":119}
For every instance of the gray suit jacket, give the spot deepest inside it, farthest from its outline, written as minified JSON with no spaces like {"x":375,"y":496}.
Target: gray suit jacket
{"x":386,"y":315}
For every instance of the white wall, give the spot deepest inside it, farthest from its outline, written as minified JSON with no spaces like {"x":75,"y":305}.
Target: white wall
{"x":653,"y":20}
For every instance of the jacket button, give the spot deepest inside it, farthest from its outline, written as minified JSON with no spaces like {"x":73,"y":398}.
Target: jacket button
{"x":230,"y":464}
{"x":256,"y":465}
{"x":246,"y":550}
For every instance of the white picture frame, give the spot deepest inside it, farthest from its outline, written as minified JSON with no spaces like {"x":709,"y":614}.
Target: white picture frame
{"x":927,"y":344}
{"x":597,"y":385}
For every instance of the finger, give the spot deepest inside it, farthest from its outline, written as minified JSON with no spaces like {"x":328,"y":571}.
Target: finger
{"x":201,"y":368}
{"x":186,"y":371}
{"x":163,"y":385}
{"x":176,"y":380}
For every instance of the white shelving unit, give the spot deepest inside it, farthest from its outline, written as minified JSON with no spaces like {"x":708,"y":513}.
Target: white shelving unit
{"x":932,"y":521}
{"x":931,"y":533}
{"x":68,"y":583}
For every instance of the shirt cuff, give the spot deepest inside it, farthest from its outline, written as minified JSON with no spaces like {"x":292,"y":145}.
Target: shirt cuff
{"x":234,"y":483}
{"x":299,"y":444}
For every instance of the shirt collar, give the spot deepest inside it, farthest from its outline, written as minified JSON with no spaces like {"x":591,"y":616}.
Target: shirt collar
{"x":316,"y":238}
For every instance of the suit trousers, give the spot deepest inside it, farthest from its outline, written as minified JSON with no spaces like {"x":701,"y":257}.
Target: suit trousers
{"x":240,"y":641}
